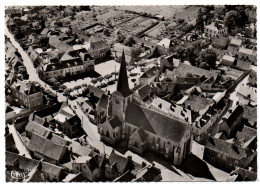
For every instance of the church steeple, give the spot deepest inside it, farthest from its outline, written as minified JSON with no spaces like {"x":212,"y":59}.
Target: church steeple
{"x":122,"y":83}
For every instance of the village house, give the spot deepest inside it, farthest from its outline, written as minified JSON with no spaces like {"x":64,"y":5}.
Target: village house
{"x":250,"y":116}
{"x":74,"y":63}
{"x":215,"y":29}
{"x":148,"y":76}
{"x":68,"y":122}
{"x":242,"y":174}
{"x":50,"y":172}
{"x":148,"y":174}
{"x":172,"y":145}
{"x":223,"y":154}
{"x":117,"y":165}
{"x":88,"y":166}
{"x":117,"y":52}
{"x":98,"y":48}
{"x":247,"y":95}
{"x":24,"y":92}
{"x":231,"y":119}
{"x":220,"y":42}
{"x":43,"y":148}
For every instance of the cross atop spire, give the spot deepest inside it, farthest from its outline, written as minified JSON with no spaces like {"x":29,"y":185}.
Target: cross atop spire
{"x":122,"y":83}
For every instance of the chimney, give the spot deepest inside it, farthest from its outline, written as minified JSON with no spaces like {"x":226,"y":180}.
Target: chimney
{"x":129,"y":157}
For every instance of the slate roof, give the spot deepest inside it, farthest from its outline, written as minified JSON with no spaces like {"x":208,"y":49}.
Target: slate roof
{"x":97,"y":92}
{"x":147,"y":174}
{"x":120,"y":162}
{"x":46,"y":147}
{"x":149,"y":73}
{"x":156,"y":123}
{"x":142,"y":134}
{"x":63,"y":64}
{"x":122,"y":83}
{"x":232,"y":116}
{"x":227,"y":149}
{"x":144,"y":91}
{"x":115,"y":122}
{"x":97,"y":43}
{"x":35,"y":128}
{"x":23,"y":86}
{"x":103,"y":102}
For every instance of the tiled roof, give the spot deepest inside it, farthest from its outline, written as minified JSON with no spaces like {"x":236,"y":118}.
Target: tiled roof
{"x":120,"y":48}
{"x":250,"y":113}
{"x":183,"y":69}
{"x":248,"y":92}
{"x":236,"y":42}
{"x":249,"y":131}
{"x":220,"y":41}
{"x":156,"y":123}
{"x":46,"y":147}
{"x":24,"y":163}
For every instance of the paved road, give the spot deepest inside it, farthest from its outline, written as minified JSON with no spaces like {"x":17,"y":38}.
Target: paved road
{"x":19,"y":142}
{"x":90,"y":129}
{"x":33,"y":76}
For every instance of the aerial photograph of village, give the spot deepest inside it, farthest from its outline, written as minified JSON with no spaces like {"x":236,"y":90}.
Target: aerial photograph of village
{"x":130,"y":93}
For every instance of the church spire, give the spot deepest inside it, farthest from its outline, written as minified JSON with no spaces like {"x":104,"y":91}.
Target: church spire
{"x":122,"y":83}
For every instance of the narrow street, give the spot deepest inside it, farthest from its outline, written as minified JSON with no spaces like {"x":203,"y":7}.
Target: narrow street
{"x":90,"y":129}
{"x":33,"y":76}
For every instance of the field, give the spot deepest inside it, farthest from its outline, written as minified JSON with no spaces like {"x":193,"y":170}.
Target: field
{"x":168,"y":11}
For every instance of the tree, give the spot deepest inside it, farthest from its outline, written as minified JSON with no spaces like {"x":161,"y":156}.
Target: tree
{"x":77,"y":88}
{"x":232,"y":19}
{"x":106,"y":32}
{"x":208,"y":56}
{"x":129,"y":41}
{"x":181,"y":53}
{"x":120,"y":38}
{"x":136,"y":51}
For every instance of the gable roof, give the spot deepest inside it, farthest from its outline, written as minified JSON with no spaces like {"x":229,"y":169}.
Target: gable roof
{"x":149,"y":73}
{"x":35,"y":128}
{"x":103,"y":102}
{"x":220,"y":41}
{"x":228,"y":149}
{"x":235,"y":42}
{"x":46,"y":147}
{"x":156,"y":123}
{"x":120,"y":162}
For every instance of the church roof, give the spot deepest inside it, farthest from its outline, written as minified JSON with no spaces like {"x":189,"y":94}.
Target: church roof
{"x":156,"y":123}
{"x":122,"y":84}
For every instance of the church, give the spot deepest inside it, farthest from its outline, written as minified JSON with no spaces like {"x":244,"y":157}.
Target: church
{"x":144,"y":129}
